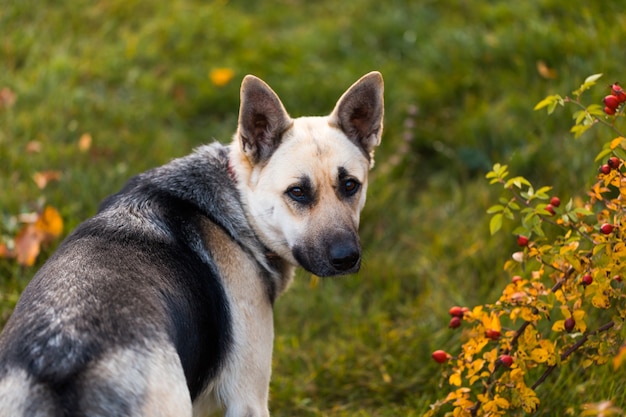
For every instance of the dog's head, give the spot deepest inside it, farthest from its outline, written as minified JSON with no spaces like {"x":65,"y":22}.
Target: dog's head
{"x":303,"y":181}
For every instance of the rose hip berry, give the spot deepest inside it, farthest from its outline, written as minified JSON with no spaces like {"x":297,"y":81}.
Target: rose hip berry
{"x":454,"y":322}
{"x":617,"y":91}
{"x":587,"y":279}
{"x":605,"y":169}
{"x":609,"y":110}
{"x":613,"y":162}
{"x":550,"y":209}
{"x":606,"y":228}
{"x":456,"y":311}
{"x":569,"y":324}
{"x":522,"y":240}
{"x":440,"y":356}
{"x":555,"y":201}
{"x":506,"y":360}
{"x":611,"y":101}
{"x":492,"y":334}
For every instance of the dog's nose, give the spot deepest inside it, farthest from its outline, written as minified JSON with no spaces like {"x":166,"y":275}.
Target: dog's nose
{"x":344,"y":257}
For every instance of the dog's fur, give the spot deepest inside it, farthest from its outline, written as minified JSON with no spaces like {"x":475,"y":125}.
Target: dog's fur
{"x":161,"y":304}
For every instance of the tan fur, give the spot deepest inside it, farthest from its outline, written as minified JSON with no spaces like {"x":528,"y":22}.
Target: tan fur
{"x":244,"y":380}
{"x":153,"y":375}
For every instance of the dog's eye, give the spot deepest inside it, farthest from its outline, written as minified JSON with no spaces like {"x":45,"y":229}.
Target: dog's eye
{"x":298,"y":194}
{"x":350,"y":187}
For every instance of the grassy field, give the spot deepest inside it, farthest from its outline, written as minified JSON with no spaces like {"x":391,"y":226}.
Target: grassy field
{"x":461,"y":82}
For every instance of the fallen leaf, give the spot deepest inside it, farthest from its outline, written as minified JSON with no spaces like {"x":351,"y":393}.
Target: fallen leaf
{"x":221,"y":76}
{"x":7,"y":98}
{"x":545,"y":71}
{"x":28,"y":245}
{"x":34,"y":146}
{"x":49,"y":223}
{"x":84,"y":143}
{"x":44,"y":177}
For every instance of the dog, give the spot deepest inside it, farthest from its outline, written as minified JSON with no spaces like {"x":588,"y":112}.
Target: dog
{"x":162,"y":303}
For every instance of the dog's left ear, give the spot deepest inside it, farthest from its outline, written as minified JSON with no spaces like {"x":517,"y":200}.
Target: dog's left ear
{"x":262,"y":120}
{"x":359,"y":112}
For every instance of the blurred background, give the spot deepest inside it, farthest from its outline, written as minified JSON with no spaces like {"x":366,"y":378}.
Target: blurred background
{"x":92,"y":92}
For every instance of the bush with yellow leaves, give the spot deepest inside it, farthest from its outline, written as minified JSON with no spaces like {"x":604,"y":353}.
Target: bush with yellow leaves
{"x":566,"y":297}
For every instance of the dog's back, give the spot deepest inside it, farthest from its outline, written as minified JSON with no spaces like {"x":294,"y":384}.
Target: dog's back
{"x":113,"y":298}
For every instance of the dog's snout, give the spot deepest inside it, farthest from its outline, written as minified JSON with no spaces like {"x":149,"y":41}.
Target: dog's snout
{"x":344,"y":257}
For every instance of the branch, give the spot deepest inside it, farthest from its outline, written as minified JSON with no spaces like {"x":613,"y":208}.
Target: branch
{"x":571,"y":350}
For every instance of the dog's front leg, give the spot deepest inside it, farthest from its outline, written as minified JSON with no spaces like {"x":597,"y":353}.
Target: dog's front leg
{"x":247,"y":377}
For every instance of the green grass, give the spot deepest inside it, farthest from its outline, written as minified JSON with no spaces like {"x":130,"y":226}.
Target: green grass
{"x":461,"y":81}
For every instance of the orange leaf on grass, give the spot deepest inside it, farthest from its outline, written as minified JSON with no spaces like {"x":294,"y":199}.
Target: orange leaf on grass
{"x":84,"y":143}
{"x":44,"y":177}
{"x":28,"y":245}
{"x":47,"y":226}
{"x":50,"y":223}
{"x":221,"y":76}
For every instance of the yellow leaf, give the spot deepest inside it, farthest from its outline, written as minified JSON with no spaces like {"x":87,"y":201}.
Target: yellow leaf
{"x":558,"y":326}
{"x":616,"y":142}
{"x":455,"y":379}
{"x":84,"y":143}
{"x":49,"y":223}
{"x":221,"y":76}
{"x":539,"y":355}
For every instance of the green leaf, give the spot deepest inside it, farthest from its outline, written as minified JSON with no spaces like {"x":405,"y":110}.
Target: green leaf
{"x":517,"y":181}
{"x":595,"y":110}
{"x":603,"y":154}
{"x":579,"y":130}
{"x":620,"y":153}
{"x":541,"y":193}
{"x":495,"y":224}
{"x":495,"y":209}
{"x":593,"y":78}
{"x":589,"y":82}
{"x":550,"y":102}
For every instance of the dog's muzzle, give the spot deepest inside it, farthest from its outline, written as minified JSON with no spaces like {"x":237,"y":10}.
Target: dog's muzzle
{"x":338,"y":254}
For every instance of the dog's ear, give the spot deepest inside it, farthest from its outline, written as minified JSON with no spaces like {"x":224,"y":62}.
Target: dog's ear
{"x":262,"y":120}
{"x":359,"y":112}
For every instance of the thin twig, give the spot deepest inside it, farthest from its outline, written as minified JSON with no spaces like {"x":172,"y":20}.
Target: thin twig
{"x":571,"y":350}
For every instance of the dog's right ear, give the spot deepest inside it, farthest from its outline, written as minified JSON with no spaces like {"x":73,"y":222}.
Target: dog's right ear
{"x":262,"y":120}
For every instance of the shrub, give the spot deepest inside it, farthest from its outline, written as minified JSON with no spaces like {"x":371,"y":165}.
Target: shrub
{"x":566,"y":297}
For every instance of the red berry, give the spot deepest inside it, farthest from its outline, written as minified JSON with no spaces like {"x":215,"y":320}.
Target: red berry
{"x":605,"y":169}
{"x":555,"y":201}
{"x":522,"y":240}
{"x":454,"y":322}
{"x":516,"y":279}
{"x":618,"y":92}
{"x":456,"y":311}
{"x":440,"y":356}
{"x":617,"y":278}
{"x":611,"y":101}
{"x":613,"y":162}
{"x":492,"y":334}
{"x":569,"y":324}
{"x":506,"y":360}
{"x":550,"y":209}
{"x":587,"y":279}
{"x":606,"y":228}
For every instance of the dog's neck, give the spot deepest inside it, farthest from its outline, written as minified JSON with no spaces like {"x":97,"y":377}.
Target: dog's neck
{"x":272,"y":257}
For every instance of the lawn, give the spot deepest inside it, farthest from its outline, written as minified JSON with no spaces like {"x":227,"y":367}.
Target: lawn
{"x":461,"y":82}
